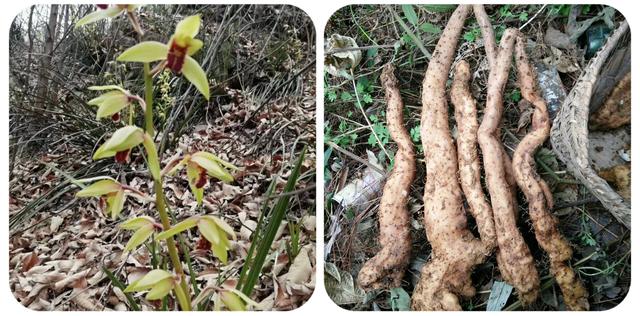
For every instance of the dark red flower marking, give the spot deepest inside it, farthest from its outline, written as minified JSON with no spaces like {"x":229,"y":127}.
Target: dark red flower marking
{"x":176,"y":56}
{"x":202,"y":179}
{"x":123,"y":156}
{"x":115,"y":117}
{"x":102,"y":6}
{"x":103,"y":203}
{"x":203,"y":244}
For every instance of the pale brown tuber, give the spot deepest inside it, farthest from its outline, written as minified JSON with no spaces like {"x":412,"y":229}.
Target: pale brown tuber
{"x":455,"y":251}
{"x":386,"y":269}
{"x":468,"y":160}
{"x":514,"y":258}
{"x":537,"y":192}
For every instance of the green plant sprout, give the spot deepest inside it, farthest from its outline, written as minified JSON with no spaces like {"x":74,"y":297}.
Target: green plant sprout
{"x":176,"y":56}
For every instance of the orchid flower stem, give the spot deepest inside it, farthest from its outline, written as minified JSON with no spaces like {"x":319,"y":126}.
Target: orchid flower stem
{"x":131,"y":110}
{"x":148,"y":98}
{"x":181,"y":291}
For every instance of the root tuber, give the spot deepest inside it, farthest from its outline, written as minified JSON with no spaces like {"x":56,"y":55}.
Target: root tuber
{"x":455,"y":251}
{"x":386,"y":269}
{"x":490,"y":49}
{"x":537,"y":192}
{"x":514,"y":258}
{"x":468,"y":160}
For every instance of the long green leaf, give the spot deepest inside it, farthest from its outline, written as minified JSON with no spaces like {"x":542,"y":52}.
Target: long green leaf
{"x":274,"y":220}
{"x":255,"y":236}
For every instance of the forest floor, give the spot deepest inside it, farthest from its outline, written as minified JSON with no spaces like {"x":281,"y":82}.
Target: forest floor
{"x":405,"y":36}
{"x":59,"y":244}
{"x":260,"y":118}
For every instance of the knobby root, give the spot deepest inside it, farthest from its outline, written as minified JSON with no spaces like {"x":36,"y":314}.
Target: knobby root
{"x":537,"y":192}
{"x":455,"y":251}
{"x":386,"y":269}
{"x":514,"y":258}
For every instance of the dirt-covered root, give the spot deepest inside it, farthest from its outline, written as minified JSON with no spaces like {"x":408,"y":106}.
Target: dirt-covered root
{"x":468,"y":160}
{"x":487,"y":33}
{"x":544,"y":222}
{"x":514,"y":258}
{"x":455,"y":251}
{"x":490,"y":49}
{"x":386,"y":269}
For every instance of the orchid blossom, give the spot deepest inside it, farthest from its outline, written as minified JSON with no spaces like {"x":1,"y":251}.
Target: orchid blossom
{"x":176,"y":54}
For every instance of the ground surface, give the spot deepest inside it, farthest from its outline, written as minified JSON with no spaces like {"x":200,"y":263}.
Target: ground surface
{"x":602,"y":246}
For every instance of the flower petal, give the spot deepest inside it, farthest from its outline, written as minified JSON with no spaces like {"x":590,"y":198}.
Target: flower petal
{"x":220,"y":252}
{"x":124,"y":138}
{"x":232,"y":301}
{"x":215,"y":158}
{"x":212,"y":167}
{"x":244,"y":297}
{"x":194,"y":73}
{"x":139,"y":237}
{"x":223,"y":225}
{"x":108,"y":87}
{"x":117,"y":204}
{"x":100,"y":99}
{"x":145,"y":52}
{"x":178,"y":166}
{"x":148,"y":281}
{"x":209,"y":230}
{"x":99,"y":188}
{"x":137,"y":222}
{"x":112,"y":105}
{"x":193,"y":175}
{"x":160,"y":289}
{"x":194,"y":46}
{"x":188,"y":27}
{"x":152,"y":154}
{"x":178,"y":228}
{"x":98,"y":15}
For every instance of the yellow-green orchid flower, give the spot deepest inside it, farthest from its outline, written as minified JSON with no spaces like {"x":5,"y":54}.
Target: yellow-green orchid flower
{"x":121,"y":143}
{"x":233,"y":299}
{"x":105,"y":11}
{"x":212,"y":228}
{"x":144,"y":227}
{"x":176,"y":53}
{"x":199,"y":166}
{"x":111,"y":193}
{"x":160,"y":283}
{"x":113,"y":101}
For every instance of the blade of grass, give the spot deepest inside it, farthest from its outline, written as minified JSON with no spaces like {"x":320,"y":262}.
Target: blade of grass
{"x":116,"y":282}
{"x":274,"y":220}
{"x":413,"y":36}
{"x":256,"y":235}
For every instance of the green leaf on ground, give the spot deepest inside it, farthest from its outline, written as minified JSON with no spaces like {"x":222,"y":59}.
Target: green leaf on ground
{"x":340,"y":286}
{"x":410,"y":13}
{"x":430,"y":28}
{"x":399,"y":300}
